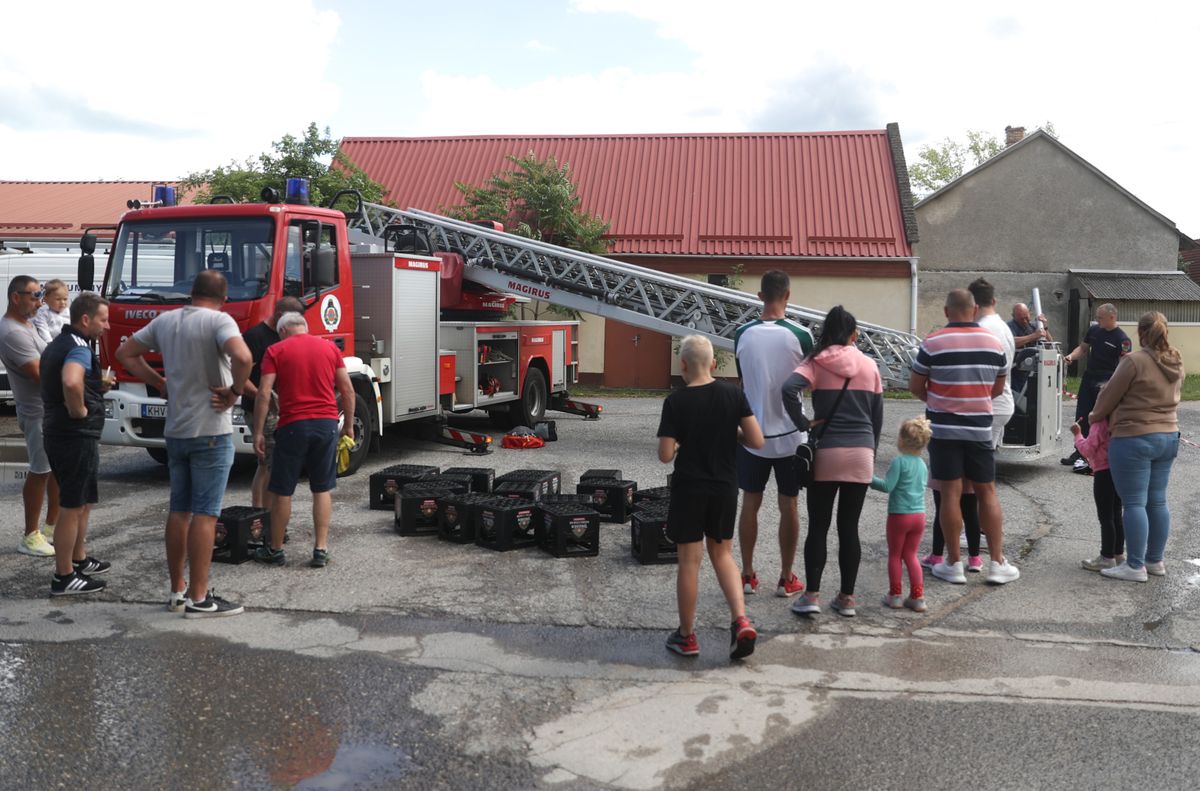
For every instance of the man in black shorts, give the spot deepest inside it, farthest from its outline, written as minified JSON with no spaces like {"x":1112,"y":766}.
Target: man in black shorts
{"x":700,"y":428}
{"x":73,"y":391}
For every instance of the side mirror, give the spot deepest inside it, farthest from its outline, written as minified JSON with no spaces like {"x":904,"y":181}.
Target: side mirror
{"x":325,"y":271}
{"x":86,"y":274}
{"x":87,"y":243}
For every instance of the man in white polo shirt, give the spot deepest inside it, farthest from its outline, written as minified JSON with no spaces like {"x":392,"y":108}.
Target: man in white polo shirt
{"x":768,"y":350}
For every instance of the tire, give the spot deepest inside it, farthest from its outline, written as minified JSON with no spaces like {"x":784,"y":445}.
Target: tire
{"x":531,"y":406}
{"x":158,"y":454}
{"x":362,"y":434}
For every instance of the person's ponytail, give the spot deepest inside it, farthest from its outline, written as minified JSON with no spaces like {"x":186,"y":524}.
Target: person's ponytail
{"x":1152,"y":331}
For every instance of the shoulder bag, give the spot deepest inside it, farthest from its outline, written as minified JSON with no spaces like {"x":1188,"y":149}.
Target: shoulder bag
{"x":806,"y":454}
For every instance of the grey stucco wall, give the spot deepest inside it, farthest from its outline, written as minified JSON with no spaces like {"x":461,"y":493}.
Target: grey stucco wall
{"x":1022,"y":222}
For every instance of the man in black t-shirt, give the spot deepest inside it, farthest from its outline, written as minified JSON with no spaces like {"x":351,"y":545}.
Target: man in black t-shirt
{"x":700,"y":428}
{"x":1104,"y":345}
{"x":259,"y":338}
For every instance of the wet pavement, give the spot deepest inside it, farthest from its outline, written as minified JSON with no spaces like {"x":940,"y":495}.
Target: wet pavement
{"x":411,"y":663}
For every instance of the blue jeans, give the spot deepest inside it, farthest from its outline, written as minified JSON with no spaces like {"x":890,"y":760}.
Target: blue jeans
{"x":1141,"y":467}
{"x":199,"y":470}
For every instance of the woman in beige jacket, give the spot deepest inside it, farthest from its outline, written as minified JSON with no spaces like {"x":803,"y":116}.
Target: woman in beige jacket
{"x":1141,"y":403}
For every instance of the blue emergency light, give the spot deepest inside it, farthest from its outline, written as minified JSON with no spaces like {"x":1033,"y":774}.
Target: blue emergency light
{"x":163,"y":195}
{"x":297,"y":191}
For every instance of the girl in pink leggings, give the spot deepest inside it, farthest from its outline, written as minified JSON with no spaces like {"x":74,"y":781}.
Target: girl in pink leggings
{"x":905,"y":485}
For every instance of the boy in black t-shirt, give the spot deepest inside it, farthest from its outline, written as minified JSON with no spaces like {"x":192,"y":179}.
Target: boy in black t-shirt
{"x":700,"y":427}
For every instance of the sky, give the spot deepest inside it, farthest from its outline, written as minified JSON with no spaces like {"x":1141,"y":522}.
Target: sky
{"x":157,"y":90}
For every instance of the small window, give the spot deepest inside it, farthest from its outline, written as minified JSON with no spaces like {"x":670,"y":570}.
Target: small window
{"x":718,"y":280}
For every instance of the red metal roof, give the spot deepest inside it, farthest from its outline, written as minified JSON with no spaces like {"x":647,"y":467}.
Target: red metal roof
{"x":61,"y":209}
{"x":827,"y":194}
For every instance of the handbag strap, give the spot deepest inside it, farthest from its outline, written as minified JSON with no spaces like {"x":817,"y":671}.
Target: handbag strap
{"x":837,"y":402}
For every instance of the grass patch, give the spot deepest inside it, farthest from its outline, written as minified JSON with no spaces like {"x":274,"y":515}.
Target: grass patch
{"x":584,"y":391}
{"x":1190,"y":390}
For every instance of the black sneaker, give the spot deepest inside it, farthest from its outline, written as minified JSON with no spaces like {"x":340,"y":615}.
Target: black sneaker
{"x":272,"y":557}
{"x":320,"y":558}
{"x":1069,"y":461}
{"x":212,"y":607}
{"x":90,"y":566}
{"x":75,"y":584}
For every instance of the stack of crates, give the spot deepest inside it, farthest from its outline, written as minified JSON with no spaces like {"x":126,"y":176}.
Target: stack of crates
{"x":612,"y":497}
{"x":385,"y":483}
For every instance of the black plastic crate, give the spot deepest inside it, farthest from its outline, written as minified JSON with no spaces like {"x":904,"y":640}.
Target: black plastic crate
{"x":417,"y":508}
{"x":459,"y":484}
{"x":611,"y":497}
{"x":503,"y":524}
{"x":549,"y":481}
{"x":642,"y":496}
{"x":648,"y":537}
{"x":482,"y":478}
{"x":240,"y":530}
{"x":457,"y":516}
{"x":569,"y":530}
{"x":385,"y":483}
{"x":585,"y":499}
{"x":610,"y":474}
{"x":519,"y":490}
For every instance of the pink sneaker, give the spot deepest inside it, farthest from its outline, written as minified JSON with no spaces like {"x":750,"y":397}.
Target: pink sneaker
{"x":930,"y":560}
{"x":975,"y":564}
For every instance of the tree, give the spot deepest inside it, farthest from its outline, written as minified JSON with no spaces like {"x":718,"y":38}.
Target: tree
{"x":314,"y":156}
{"x":937,"y":166}
{"x":535,"y":199}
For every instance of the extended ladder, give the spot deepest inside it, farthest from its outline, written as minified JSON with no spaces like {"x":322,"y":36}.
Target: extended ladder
{"x":628,"y":293}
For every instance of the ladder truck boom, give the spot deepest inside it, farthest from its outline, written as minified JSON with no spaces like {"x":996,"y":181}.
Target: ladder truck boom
{"x":632,"y":294}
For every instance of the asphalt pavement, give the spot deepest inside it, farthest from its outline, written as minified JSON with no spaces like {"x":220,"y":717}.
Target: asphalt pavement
{"x":414,"y":663}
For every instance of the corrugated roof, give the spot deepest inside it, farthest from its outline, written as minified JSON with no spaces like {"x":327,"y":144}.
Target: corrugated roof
{"x":1163,"y":286}
{"x":825,"y":194}
{"x":61,"y":209}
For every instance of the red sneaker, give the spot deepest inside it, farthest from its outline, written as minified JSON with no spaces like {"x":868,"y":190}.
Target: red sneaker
{"x":684,"y":646}
{"x":742,"y":636}
{"x":750,"y":583}
{"x":789,"y":587}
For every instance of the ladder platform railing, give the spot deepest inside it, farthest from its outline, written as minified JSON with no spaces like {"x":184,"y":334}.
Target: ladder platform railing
{"x":632,"y":294}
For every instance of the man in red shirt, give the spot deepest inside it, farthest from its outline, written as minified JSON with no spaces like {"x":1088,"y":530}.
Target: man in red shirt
{"x":304,"y":371}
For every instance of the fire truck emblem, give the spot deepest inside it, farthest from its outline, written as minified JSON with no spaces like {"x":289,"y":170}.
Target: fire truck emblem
{"x":428,"y":508}
{"x":579,"y":527}
{"x":451,"y":515}
{"x":600,"y":497}
{"x":523,"y":519}
{"x":331,"y":313}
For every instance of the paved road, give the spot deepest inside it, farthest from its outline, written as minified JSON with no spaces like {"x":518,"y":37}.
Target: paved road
{"x":412,"y":663}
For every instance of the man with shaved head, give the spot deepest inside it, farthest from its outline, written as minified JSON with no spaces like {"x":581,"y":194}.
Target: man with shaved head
{"x":958,"y":371}
{"x":1104,"y":345}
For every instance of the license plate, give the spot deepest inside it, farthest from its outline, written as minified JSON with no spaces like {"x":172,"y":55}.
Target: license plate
{"x":154,"y":410}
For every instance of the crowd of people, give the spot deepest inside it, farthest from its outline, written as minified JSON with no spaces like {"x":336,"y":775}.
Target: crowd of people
{"x":722,"y":439}
{"x":287,"y":380}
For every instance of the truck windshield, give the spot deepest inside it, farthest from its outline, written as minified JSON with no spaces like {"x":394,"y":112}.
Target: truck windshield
{"x":157,"y":261}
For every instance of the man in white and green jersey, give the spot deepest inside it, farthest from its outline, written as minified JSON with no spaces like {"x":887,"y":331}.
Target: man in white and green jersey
{"x":768,"y":350}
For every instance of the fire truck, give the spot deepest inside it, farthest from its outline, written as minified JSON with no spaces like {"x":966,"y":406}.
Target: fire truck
{"x":419,"y":343}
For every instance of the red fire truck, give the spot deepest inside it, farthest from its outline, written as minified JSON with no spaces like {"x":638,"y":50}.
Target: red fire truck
{"x":420,"y":343}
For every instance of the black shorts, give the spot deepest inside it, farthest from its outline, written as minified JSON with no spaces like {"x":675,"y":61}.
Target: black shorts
{"x":696,"y":513}
{"x":305,"y":445}
{"x":753,"y":472}
{"x":75,"y":462}
{"x":951,"y":459}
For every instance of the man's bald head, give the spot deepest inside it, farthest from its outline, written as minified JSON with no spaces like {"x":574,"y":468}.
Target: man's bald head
{"x":960,"y":305}
{"x":1020,"y":313}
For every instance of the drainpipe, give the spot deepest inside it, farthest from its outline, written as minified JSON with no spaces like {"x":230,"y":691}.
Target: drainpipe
{"x":912,"y":310}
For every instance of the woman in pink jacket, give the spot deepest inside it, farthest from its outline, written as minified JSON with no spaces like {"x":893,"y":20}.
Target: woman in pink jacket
{"x":845,"y":460}
{"x":1094,"y":448}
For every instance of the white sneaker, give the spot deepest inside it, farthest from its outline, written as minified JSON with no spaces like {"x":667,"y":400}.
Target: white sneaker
{"x":35,"y":544}
{"x":949,"y":572}
{"x":1001,"y":571}
{"x":1158,"y":569}
{"x":1124,"y":572}
{"x":176,"y":601}
{"x":1097,"y":563}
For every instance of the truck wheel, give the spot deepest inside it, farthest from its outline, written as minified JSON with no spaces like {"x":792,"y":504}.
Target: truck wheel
{"x":362,"y":434}
{"x":531,"y":406}
{"x":158,"y":454}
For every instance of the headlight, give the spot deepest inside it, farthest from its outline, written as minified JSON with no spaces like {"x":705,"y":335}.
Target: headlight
{"x":109,"y":410}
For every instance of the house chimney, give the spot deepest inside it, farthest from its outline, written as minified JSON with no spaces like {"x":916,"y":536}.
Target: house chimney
{"x":1013,"y":134}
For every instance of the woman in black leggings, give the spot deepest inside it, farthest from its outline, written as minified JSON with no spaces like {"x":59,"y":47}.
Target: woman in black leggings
{"x":847,"y":397}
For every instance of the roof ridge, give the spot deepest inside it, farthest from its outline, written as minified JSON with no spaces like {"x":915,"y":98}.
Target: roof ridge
{"x":619,"y":135}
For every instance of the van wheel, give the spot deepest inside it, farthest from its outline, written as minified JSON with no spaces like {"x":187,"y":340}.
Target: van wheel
{"x":531,"y":406}
{"x":158,"y":454}
{"x":362,"y":434}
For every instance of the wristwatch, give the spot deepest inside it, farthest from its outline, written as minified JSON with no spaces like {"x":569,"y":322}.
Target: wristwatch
{"x":235,"y":392}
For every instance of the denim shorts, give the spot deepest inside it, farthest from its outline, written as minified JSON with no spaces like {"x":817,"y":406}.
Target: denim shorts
{"x":199,"y":469}
{"x":305,"y":445}
{"x":35,"y":444}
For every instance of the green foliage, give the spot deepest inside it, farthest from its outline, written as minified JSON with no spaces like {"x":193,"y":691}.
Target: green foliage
{"x":535,"y":199}
{"x":314,"y":155}
{"x":938,"y":166}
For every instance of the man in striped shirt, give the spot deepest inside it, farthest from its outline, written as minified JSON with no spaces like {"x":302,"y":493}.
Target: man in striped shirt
{"x":958,"y":371}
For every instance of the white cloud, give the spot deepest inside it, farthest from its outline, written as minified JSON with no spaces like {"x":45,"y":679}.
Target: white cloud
{"x":538,"y":46}
{"x":157,"y":89}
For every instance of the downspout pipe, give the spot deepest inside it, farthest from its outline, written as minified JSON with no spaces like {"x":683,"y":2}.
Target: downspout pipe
{"x":912,"y":304}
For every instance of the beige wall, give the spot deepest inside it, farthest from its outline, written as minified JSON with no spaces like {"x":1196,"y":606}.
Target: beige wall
{"x":1184,"y":337}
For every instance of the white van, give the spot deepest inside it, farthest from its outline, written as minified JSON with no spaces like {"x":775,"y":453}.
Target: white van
{"x":45,"y":261}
